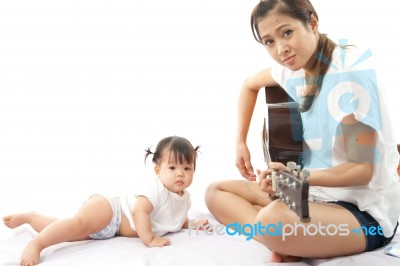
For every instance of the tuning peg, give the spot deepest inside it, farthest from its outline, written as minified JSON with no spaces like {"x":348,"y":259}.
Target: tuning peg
{"x":292,"y":185}
{"x":304,"y":174}
{"x":273,"y":176}
{"x":291,"y":166}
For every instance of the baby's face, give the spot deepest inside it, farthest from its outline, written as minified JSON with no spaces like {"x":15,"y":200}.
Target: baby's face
{"x":175,"y":176}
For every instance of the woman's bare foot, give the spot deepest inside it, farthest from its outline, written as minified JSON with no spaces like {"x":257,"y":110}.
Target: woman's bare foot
{"x":15,"y":220}
{"x":275,"y":257}
{"x":31,"y":254}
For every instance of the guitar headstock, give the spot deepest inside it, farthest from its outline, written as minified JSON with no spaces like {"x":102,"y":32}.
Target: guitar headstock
{"x":292,"y":188}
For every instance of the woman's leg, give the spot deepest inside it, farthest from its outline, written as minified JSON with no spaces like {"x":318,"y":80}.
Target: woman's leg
{"x":93,"y":216}
{"x":329,"y":233}
{"x":235,"y":201}
{"x":239,"y":201}
{"x":37,"y":221}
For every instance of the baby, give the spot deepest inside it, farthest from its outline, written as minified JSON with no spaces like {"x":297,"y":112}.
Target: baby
{"x":163,"y":207}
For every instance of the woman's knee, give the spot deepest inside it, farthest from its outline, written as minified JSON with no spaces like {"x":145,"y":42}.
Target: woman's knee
{"x":215,"y":188}
{"x":272,"y":218}
{"x":211,"y":191}
{"x":275,"y":212}
{"x":217,"y":192}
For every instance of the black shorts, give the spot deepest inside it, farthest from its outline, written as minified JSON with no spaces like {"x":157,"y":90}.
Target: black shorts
{"x":366,"y":220}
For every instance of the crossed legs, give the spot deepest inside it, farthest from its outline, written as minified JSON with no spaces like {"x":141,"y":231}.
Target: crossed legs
{"x":238,"y":201}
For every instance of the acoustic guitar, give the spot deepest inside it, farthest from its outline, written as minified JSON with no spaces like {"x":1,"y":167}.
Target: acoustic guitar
{"x":283,"y":142}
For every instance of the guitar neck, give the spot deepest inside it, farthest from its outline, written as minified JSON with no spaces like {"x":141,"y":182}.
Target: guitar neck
{"x":292,"y":188}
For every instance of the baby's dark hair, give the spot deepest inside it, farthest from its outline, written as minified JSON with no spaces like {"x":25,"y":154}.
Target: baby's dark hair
{"x":179,"y":147}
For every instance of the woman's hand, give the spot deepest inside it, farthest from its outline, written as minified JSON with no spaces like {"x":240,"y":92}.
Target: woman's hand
{"x":278,"y":166}
{"x":243,"y":162}
{"x":265,"y":182}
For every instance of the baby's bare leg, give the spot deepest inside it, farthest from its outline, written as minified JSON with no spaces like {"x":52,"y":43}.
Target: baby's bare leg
{"x":91,"y":218}
{"x":37,"y":221}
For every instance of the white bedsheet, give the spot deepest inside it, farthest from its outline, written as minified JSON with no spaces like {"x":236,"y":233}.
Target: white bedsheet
{"x":185,"y":249}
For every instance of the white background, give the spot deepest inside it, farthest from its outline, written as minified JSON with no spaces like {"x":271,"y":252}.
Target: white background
{"x":86,"y":86}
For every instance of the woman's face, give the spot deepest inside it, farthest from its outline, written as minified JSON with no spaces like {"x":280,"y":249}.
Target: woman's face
{"x":288,"y":41}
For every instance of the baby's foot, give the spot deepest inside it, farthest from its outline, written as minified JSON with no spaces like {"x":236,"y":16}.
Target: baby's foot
{"x":15,"y":220}
{"x":31,"y":254}
{"x":275,"y":257}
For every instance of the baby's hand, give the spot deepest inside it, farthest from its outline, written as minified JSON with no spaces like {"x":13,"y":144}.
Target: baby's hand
{"x":200,"y":224}
{"x":159,"y":241}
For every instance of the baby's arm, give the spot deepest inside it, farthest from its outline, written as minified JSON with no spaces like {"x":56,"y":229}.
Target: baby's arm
{"x":141,"y":217}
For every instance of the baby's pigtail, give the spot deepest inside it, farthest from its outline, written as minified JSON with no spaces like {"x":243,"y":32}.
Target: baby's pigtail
{"x":196,"y":149}
{"x":148,"y":152}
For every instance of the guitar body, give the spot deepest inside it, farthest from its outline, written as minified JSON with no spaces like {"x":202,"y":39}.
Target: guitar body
{"x":285,"y":145}
{"x":284,"y":127}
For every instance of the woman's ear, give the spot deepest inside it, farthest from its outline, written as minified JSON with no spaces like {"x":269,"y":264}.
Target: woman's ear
{"x":314,"y":23}
{"x":157,"y":170}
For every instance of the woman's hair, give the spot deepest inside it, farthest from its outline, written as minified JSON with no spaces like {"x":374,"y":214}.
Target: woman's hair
{"x":179,"y":147}
{"x":302,"y":11}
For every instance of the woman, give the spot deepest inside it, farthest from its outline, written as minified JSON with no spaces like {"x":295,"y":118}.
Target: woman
{"x":351,"y":154}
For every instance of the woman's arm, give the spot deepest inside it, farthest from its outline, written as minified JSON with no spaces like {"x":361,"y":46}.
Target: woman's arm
{"x":360,"y":144}
{"x":247,"y":101}
{"x":344,"y":175}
